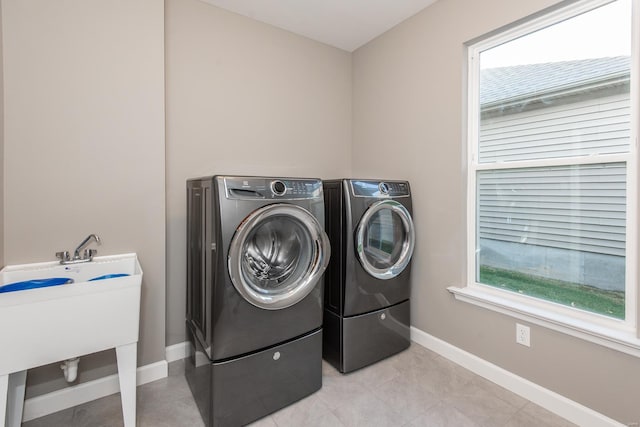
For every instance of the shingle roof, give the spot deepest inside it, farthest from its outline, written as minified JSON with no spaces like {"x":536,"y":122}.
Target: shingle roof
{"x":521,"y":81}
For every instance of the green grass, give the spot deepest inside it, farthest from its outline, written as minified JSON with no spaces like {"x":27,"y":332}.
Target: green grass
{"x":608,"y":303}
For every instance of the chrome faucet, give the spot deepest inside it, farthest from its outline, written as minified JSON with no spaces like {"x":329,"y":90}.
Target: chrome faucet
{"x":87,"y":254}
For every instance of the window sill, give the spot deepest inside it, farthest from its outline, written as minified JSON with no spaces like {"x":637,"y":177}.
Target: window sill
{"x":620,"y":340}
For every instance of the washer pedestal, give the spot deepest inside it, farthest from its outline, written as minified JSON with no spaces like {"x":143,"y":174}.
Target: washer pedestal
{"x":355,"y":342}
{"x":241,"y":390}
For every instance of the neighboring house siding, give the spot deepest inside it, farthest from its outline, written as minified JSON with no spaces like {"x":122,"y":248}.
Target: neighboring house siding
{"x":569,"y":207}
{"x":594,"y":126}
{"x":522,"y":206}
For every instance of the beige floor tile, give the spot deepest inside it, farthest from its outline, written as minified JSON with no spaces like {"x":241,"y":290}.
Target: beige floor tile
{"x":328,"y":370}
{"x":339,"y":389}
{"x":411,"y":361}
{"x":499,"y":392}
{"x":267,"y":421}
{"x":442,"y":415}
{"x":374,"y":375}
{"x":407,"y":395}
{"x":366,"y":410}
{"x":480,"y":404}
{"x":166,"y":404}
{"x":442,"y":376}
{"x":309,"y":412}
{"x":533,"y":415}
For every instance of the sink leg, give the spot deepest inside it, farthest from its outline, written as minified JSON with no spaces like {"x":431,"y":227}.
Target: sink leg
{"x":16,"y":389}
{"x":4,"y":387}
{"x":126,"y":355}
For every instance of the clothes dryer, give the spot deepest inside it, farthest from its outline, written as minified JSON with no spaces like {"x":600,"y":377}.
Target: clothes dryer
{"x":367,"y":283}
{"x":256,"y":254}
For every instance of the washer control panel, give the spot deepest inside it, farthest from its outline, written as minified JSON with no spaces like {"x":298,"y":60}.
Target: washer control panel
{"x":272,"y":188}
{"x":371,"y":188}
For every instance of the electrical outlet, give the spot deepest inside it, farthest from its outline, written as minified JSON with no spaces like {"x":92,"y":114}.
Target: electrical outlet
{"x":523,"y":335}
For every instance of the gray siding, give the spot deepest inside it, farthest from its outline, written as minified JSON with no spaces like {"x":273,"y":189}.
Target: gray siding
{"x":569,"y":207}
{"x":595,"y":126}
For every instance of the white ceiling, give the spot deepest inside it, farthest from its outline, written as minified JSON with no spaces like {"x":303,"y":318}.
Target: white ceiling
{"x":345,"y":24}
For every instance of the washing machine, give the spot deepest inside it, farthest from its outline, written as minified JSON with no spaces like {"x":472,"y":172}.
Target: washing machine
{"x":367,"y":282}
{"x":256,"y":254}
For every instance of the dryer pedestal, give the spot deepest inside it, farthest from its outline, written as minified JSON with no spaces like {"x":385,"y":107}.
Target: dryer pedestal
{"x":241,"y":390}
{"x":354,"y":342}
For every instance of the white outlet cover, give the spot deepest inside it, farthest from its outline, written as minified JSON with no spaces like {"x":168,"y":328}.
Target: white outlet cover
{"x":523,"y":335}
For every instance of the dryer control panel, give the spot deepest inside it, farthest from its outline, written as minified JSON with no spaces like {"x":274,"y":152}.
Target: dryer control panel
{"x":272,"y":188}
{"x":372,"y":188}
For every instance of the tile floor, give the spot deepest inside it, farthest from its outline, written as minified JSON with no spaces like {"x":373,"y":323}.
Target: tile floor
{"x":414,"y":388}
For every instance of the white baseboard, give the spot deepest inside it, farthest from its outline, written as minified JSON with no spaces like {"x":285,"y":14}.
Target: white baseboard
{"x":177,"y":351}
{"x":58,"y":400}
{"x":551,"y":401}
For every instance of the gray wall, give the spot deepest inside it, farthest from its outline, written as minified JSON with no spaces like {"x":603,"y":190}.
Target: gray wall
{"x":84,"y":146}
{"x":408,"y":103}
{"x":245,"y":98}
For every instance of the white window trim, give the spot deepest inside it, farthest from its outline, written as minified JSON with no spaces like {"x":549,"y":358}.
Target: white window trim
{"x":621,"y":335}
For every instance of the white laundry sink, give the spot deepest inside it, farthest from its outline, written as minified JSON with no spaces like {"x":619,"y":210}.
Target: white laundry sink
{"x":54,"y":323}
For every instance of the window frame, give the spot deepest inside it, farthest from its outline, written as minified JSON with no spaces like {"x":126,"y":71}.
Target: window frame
{"x":622,"y":335}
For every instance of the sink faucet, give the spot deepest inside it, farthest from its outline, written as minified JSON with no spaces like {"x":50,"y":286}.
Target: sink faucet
{"x":87,"y":254}
{"x":85,"y":243}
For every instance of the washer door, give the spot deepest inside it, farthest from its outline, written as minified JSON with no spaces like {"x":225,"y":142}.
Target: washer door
{"x":385,"y":239}
{"x":277,"y":255}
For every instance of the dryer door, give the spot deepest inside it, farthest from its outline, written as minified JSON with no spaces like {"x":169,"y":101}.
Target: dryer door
{"x":385,"y":239}
{"x":277,"y":255}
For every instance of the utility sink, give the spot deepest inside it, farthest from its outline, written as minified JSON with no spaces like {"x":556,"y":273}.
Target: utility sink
{"x":66,"y":311}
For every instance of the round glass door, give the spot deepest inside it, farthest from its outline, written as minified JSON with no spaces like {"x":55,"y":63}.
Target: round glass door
{"x":277,"y":255}
{"x":385,"y":239}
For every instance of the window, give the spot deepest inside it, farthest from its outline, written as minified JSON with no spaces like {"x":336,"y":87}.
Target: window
{"x":552,"y":131}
